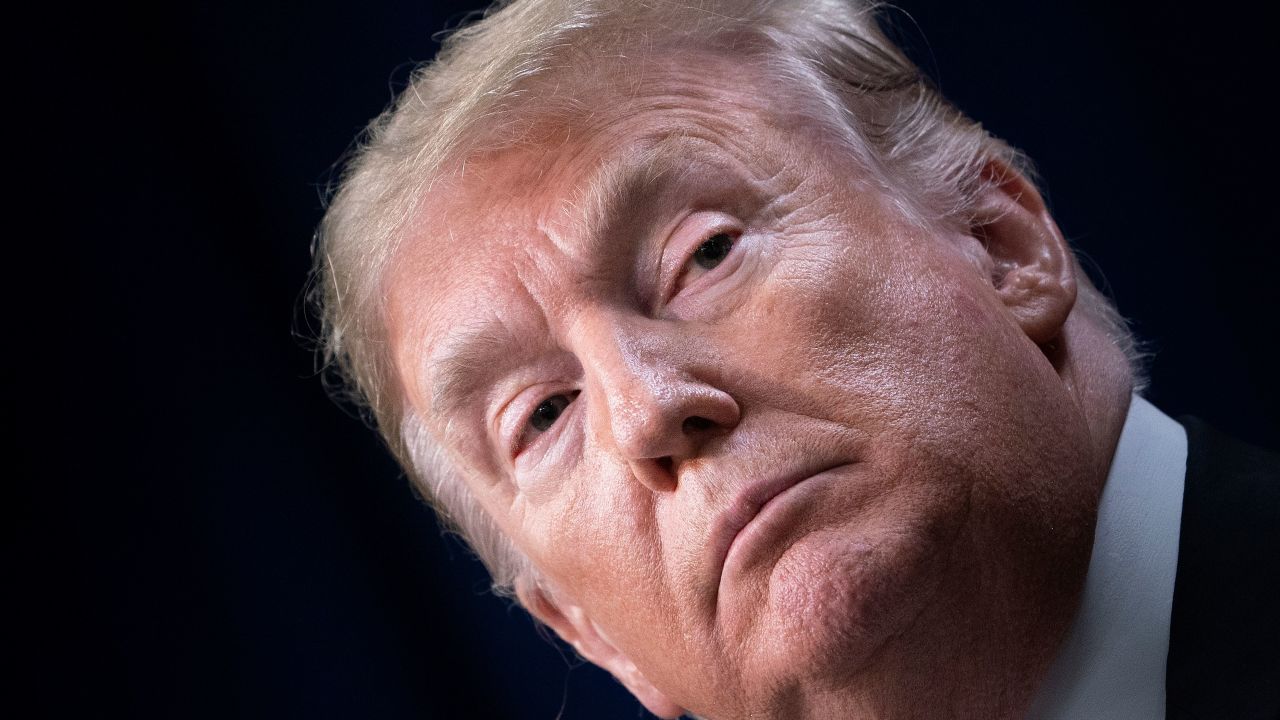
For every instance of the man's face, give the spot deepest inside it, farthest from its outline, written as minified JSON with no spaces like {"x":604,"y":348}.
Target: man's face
{"x":765,"y":435}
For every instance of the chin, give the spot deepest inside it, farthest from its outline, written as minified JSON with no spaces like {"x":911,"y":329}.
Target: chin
{"x":837,"y":598}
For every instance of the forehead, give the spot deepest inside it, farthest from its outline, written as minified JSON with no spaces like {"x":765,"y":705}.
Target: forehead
{"x":595,"y":147}
{"x":583,"y":125}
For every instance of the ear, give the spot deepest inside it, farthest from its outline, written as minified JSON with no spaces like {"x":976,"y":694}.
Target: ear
{"x":1031,"y":265}
{"x":572,"y":624}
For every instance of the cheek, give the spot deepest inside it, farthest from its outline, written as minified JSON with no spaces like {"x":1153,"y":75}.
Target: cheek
{"x":831,"y":331}
{"x":897,"y":341}
{"x":600,"y":539}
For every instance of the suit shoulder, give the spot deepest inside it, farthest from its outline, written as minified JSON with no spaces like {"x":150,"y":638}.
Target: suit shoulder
{"x":1224,"y":645}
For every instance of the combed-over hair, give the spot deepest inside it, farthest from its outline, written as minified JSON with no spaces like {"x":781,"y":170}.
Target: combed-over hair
{"x":480,"y":91}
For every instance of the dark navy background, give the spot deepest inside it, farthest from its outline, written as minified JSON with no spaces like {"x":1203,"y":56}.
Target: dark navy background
{"x":199,"y":532}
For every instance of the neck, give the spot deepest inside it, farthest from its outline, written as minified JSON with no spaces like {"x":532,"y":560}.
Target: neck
{"x":1097,"y":376}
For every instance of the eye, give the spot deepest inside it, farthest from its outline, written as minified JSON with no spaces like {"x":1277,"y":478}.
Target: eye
{"x":708,"y":256}
{"x":543,"y":418}
{"x":548,"y":411}
{"x":713,"y":252}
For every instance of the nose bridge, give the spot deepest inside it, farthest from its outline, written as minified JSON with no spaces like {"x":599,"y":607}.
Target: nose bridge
{"x":643,"y":386}
{"x":643,"y":355}
{"x":632,"y":369}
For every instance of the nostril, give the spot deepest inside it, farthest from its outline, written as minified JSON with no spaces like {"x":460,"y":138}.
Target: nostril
{"x":696,"y":424}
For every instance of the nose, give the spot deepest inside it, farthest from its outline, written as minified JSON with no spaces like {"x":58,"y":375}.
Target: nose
{"x":654,"y":398}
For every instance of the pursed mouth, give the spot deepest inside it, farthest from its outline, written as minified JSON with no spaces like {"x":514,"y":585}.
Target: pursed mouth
{"x":747,"y":507}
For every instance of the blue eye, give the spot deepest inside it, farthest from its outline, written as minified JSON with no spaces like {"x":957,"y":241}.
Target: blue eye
{"x":713,"y":252}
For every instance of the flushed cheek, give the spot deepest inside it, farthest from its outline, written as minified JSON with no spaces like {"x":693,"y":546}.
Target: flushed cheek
{"x":903,"y":348}
{"x":811,"y":314}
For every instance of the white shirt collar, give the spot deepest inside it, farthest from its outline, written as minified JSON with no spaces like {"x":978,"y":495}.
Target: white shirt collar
{"x":1112,"y":663}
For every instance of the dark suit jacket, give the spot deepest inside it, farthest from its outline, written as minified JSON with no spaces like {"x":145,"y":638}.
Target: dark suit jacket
{"x":1224,"y":638}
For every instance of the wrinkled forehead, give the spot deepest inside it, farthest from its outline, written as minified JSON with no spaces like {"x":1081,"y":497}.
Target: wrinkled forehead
{"x":590,"y":146}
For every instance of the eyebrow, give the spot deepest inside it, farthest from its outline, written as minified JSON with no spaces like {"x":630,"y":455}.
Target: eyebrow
{"x":609,"y":193}
{"x":459,"y":366}
{"x":468,"y":353}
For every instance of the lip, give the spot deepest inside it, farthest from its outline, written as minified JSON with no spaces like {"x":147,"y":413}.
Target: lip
{"x":750,"y":505}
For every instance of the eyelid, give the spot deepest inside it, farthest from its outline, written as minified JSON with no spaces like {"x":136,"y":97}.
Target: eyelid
{"x":685,"y":241}
{"x":514,"y":422}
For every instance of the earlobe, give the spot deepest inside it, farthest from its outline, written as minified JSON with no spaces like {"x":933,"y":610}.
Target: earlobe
{"x":1032,"y":268}
{"x":571,"y":623}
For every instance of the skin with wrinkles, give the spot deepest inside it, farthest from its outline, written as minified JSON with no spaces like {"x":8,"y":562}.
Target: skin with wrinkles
{"x":930,"y":391}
